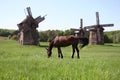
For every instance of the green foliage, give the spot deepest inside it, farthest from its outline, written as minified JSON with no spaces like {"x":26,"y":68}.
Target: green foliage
{"x":4,"y":32}
{"x":31,"y":63}
{"x":7,"y":33}
{"x":50,"y":34}
{"x":112,"y":36}
{"x":14,"y":37}
{"x":109,"y":37}
{"x":68,"y":32}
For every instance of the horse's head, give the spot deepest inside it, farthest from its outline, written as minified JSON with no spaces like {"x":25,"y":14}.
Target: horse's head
{"x":84,"y":41}
{"x":49,"y":52}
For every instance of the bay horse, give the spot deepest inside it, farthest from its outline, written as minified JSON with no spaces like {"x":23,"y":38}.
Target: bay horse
{"x":63,"y":41}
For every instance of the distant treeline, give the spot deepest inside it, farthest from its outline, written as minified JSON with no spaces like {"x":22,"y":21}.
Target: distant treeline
{"x":112,"y":37}
{"x":109,"y":37}
{"x":50,"y":34}
{"x":6,"y":32}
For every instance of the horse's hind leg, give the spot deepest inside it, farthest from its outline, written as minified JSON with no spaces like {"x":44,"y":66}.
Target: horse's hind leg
{"x":77,"y":52}
{"x":60,"y":53}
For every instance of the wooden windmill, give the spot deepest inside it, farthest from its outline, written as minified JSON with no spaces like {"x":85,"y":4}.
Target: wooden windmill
{"x":96,"y":35}
{"x":81,"y":31}
{"x":28,"y":34}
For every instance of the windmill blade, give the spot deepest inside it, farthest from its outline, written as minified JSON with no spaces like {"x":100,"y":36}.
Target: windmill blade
{"x":39,"y":19}
{"x":75,"y":29}
{"x":89,"y":27}
{"x":97,"y":18}
{"x":107,"y":25}
{"x":29,"y":11}
{"x":81,"y":23}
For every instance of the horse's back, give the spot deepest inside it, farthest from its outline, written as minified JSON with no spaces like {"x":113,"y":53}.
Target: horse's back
{"x":63,"y":38}
{"x":63,"y":41}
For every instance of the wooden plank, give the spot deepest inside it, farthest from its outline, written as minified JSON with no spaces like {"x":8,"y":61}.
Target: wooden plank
{"x":89,"y":27}
{"x":102,"y":25}
{"x":97,"y":18}
{"x":75,"y":29}
{"x":39,"y":19}
{"x":107,"y":25}
{"x":81,"y":23}
{"x":29,"y":11}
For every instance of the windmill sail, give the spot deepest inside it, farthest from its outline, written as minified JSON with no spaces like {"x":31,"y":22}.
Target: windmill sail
{"x":29,"y":11}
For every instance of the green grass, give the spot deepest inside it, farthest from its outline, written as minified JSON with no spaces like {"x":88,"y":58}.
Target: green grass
{"x":31,"y":63}
{"x":3,"y":38}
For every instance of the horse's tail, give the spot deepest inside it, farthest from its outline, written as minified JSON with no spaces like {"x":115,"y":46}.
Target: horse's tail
{"x":84,"y":42}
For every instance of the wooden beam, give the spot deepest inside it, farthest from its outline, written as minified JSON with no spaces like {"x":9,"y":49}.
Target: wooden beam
{"x":29,"y":11}
{"x":97,"y":18}
{"x":89,"y":27}
{"x":107,"y":25}
{"x":102,"y":25}
{"x":40,"y":19}
{"x":75,"y":29}
{"x":81,"y":26}
{"x":81,"y":23}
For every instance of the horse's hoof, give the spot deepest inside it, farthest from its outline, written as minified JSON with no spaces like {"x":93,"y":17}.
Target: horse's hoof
{"x":72,"y":57}
{"x":62,"y":57}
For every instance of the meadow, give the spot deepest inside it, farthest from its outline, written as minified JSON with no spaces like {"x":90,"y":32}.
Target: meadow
{"x":98,"y":62}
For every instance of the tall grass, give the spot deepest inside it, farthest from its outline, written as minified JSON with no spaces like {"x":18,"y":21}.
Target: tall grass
{"x":31,"y":63}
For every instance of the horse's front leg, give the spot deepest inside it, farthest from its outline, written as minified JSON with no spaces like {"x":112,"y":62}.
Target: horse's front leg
{"x":60,"y":53}
{"x":73,"y":48}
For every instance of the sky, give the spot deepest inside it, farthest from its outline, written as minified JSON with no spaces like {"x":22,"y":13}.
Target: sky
{"x":61,"y":14}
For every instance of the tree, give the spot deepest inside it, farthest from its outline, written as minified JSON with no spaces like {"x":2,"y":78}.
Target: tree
{"x":4,"y":32}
